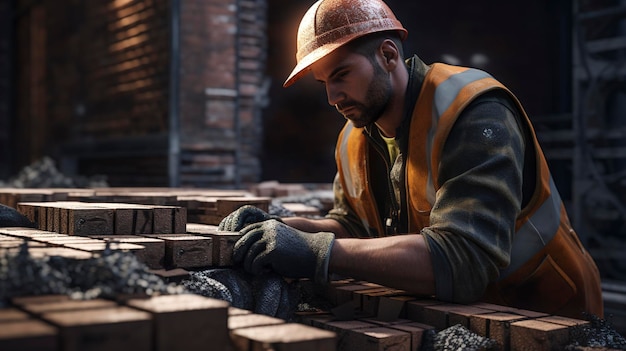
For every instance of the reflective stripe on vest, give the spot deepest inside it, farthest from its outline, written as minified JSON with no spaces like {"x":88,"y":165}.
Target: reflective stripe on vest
{"x":444,"y":96}
{"x":348,"y":177}
{"x":535,"y":233}
{"x":543,"y":224}
{"x":532,"y":235}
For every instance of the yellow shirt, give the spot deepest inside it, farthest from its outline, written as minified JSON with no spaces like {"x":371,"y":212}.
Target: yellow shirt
{"x":392,"y":146}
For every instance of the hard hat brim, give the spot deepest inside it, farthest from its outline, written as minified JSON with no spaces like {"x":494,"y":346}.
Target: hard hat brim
{"x":304,"y":66}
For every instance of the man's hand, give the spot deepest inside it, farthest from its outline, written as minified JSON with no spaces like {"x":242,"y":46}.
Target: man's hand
{"x":273,"y":245}
{"x":243,"y":216}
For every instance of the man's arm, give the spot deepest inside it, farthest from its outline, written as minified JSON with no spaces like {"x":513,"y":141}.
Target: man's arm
{"x":402,"y":262}
{"x":317,"y":225}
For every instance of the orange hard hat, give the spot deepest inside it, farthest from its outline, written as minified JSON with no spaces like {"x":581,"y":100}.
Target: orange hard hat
{"x":329,"y":24}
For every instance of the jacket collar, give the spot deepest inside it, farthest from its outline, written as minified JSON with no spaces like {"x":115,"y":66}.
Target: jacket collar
{"x":417,"y":72}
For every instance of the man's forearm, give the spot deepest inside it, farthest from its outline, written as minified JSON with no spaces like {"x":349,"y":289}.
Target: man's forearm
{"x":317,"y":225}
{"x":401,"y":262}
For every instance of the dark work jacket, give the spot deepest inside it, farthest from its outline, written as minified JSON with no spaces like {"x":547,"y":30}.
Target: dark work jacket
{"x":471,"y":177}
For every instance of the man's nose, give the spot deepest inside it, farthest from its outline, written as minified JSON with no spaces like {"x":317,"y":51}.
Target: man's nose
{"x":333,"y":94}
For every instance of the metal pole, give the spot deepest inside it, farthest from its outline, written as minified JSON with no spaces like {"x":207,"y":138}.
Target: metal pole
{"x":174,"y":98}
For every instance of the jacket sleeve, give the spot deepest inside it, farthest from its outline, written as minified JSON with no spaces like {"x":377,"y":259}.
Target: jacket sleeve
{"x":473,"y":218}
{"x":343,"y":213}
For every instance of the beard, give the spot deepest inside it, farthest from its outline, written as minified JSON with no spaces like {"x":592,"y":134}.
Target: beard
{"x":377,"y":97}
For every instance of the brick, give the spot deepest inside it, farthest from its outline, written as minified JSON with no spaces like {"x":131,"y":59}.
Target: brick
{"x":370,"y":300}
{"x":28,"y":335}
{"x":153,"y":254}
{"x":227,"y":205}
{"x":41,"y":252}
{"x":317,"y":320}
{"x":235,"y":311}
{"x":416,"y":330}
{"x":171,"y":275}
{"x":98,"y":247}
{"x":361,"y":296}
{"x":214,"y":209}
{"x":538,"y":335}
{"x":11,"y":314}
{"x":169,"y":220}
{"x":223,"y":242}
{"x":26,"y":232}
{"x":566,"y":321}
{"x":131,"y":218}
{"x":39,"y":308}
{"x":29,"y":211}
{"x":495,"y":326}
{"x":461,"y":314}
{"x":446,"y":315}
{"x":17,"y":243}
{"x":377,"y":339}
{"x":29,"y":300}
{"x":284,"y":337}
{"x":509,"y":309}
{"x":299,"y":209}
{"x":385,"y":323}
{"x":65,"y":239}
{"x":393,"y":307}
{"x":84,"y":219}
{"x":248,"y":320}
{"x":415,"y":308}
{"x":187,"y":322}
{"x":187,"y":251}
{"x":118,"y":328}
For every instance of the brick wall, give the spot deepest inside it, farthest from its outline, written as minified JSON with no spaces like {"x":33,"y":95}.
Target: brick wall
{"x":95,"y":81}
{"x":5,"y":87}
{"x":222,"y":62}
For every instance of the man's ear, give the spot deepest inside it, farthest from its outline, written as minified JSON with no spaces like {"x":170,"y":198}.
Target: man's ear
{"x":389,"y":54}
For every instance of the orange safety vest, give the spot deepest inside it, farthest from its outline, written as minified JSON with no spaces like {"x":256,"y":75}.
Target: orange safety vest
{"x":549,"y":271}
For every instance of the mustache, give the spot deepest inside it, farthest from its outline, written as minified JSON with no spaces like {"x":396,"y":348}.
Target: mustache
{"x":345,"y":106}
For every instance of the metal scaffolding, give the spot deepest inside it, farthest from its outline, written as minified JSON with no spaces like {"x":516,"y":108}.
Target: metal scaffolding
{"x":598,"y":131}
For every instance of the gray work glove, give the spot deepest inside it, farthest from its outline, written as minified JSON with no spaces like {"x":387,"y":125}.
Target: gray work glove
{"x":243,"y":216}
{"x":273,"y":245}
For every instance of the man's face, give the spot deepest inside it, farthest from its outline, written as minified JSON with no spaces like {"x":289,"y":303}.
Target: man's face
{"x":358,"y":88}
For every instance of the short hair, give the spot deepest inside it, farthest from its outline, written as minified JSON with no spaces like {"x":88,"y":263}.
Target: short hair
{"x":368,"y":44}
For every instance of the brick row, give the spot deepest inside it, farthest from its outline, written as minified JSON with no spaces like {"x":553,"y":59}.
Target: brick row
{"x":211,"y":210}
{"x":375,"y":307}
{"x":208,"y":248}
{"x":167,"y":322}
{"x":82,"y":218}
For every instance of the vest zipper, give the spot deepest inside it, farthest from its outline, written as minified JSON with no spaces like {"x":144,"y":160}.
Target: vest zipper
{"x":391,"y":222}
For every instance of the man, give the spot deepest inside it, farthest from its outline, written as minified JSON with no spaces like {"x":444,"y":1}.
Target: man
{"x":442,"y":188}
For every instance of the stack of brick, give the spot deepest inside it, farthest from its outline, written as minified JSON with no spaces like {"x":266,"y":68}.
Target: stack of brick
{"x":206,"y":206}
{"x":372,"y":317}
{"x":366,"y":316}
{"x":167,"y":322}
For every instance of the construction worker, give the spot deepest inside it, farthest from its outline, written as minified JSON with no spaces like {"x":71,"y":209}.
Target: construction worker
{"x":442,"y":188}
